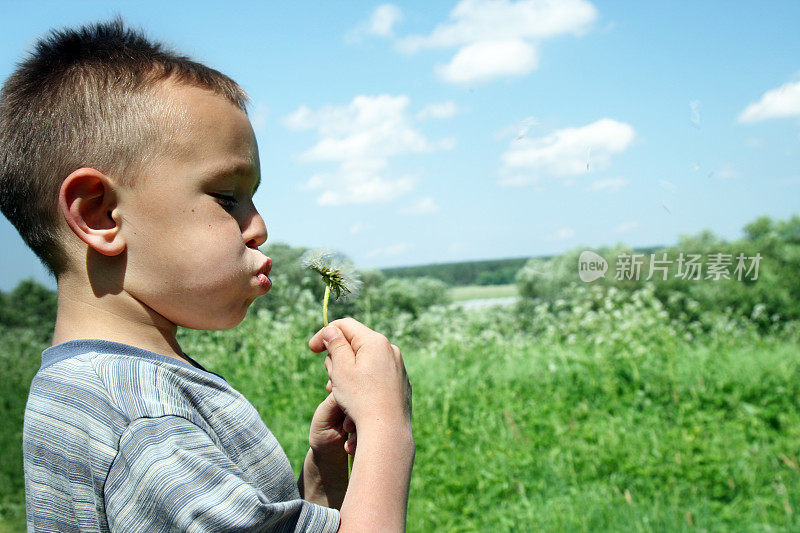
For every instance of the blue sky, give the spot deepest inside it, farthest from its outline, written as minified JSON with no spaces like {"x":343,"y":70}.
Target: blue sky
{"x":421,"y":132}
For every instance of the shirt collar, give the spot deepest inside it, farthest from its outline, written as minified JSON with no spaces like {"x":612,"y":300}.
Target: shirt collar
{"x":68,"y":349}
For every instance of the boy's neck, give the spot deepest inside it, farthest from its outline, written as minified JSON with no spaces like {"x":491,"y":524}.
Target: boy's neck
{"x":113,"y":317}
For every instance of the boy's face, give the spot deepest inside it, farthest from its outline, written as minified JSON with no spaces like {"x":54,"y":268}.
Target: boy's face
{"x":191,"y":230}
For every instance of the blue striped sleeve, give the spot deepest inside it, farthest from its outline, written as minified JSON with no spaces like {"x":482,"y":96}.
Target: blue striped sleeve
{"x":169,"y":475}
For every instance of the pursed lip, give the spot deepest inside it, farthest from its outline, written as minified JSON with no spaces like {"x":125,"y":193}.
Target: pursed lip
{"x":263,"y":275}
{"x":265,"y":268}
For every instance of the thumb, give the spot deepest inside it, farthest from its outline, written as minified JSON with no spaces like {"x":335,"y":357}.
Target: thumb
{"x":328,"y":409}
{"x":336,"y":344}
{"x":328,"y":416}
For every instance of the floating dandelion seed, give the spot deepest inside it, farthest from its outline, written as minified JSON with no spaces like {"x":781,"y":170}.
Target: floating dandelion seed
{"x":340,"y":276}
{"x":526,"y":125}
{"x":694,"y":105}
{"x":667,"y":185}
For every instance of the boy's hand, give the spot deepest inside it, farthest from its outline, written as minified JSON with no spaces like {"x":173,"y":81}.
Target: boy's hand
{"x":368,"y":378}
{"x":368,"y":381}
{"x":329,"y":428}
{"x":323,"y":478}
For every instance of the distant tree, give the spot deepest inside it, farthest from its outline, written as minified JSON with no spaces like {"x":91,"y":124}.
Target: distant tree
{"x":30,"y":305}
{"x":758,"y":229}
{"x":488,"y":272}
{"x":546,"y":279}
{"x":399,"y":295}
{"x":789,"y":230}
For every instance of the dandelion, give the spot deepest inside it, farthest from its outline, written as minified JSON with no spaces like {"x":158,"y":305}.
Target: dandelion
{"x":341,"y":279}
{"x":340,"y":276}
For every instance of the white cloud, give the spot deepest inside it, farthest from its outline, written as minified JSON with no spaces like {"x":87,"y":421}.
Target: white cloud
{"x":627,"y":226}
{"x":360,"y":138}
{"x":422,"y":206}
{"x":775,"y":103}
{"x":373,"y":127}
{"x":358,"y":227}
{"x":447,"y":143}
{"x":498,"y":37}
{"x":609,"y":184}
{"x":383,"y":19}
{"x":345,"y":187}
{"x":565,"y":152}
{"x":441,"y":110}
{"x":492,"y":20}
{"x":562,"y":234}
{"x":394,"y":249}
{"x":486,"y":60}
{"x":667,"y":185}
{"x":725,"y":172}
{"x":381,"y":23}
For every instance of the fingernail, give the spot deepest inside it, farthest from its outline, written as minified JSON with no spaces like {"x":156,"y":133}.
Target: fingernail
{"x":329,"y":333}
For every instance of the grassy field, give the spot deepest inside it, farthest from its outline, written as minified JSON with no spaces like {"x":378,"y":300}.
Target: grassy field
{"x":515,"y":433}
{"x":475,"y":292}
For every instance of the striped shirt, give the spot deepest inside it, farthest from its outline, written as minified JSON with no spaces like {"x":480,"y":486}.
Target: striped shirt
{"x":117,"y":438}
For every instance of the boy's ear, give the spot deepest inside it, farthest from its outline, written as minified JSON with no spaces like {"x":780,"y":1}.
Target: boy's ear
{"x":88,"y":202}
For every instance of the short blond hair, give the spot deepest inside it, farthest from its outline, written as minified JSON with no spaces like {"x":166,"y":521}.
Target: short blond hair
{"x":87,"y":97}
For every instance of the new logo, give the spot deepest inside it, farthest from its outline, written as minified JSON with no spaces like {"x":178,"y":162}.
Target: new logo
{"x":591,"y":266}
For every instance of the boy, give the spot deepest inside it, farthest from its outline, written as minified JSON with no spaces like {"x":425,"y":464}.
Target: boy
{"x":130,"y":171}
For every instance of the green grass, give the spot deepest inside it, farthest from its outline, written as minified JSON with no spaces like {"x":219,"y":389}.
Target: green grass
{"x":16,"y":524}
{"x":513,"y":434}
{"x":474,"y":292}
{"x":20,"y":357}
{"x":505,"y":439}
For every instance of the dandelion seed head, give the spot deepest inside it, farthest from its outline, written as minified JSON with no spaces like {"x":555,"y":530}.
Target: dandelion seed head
{"x":337,"y":272}
{"x":317,"y":259}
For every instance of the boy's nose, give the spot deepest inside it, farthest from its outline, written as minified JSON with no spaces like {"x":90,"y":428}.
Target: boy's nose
{"x":255,"y":232}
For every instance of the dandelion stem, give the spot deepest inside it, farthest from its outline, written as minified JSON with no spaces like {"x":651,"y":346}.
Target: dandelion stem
{"x":349,"y":463}
{"x":325,"y":304}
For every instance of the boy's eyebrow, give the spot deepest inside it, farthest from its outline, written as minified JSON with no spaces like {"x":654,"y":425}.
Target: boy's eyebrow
{"x":238,"y":169}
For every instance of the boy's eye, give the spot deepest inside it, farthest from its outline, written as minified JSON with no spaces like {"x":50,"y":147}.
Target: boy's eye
{"x":227,"y":202}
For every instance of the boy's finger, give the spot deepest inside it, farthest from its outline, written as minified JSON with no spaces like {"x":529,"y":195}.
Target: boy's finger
{"x":350,"y":444}
{"x":328,"y":409}
{"x":315,"y":343}
{"x":348,"y":425}
{"x":350,"y":327}
{"x":337,"y":345}
{"x":329,"y":387}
